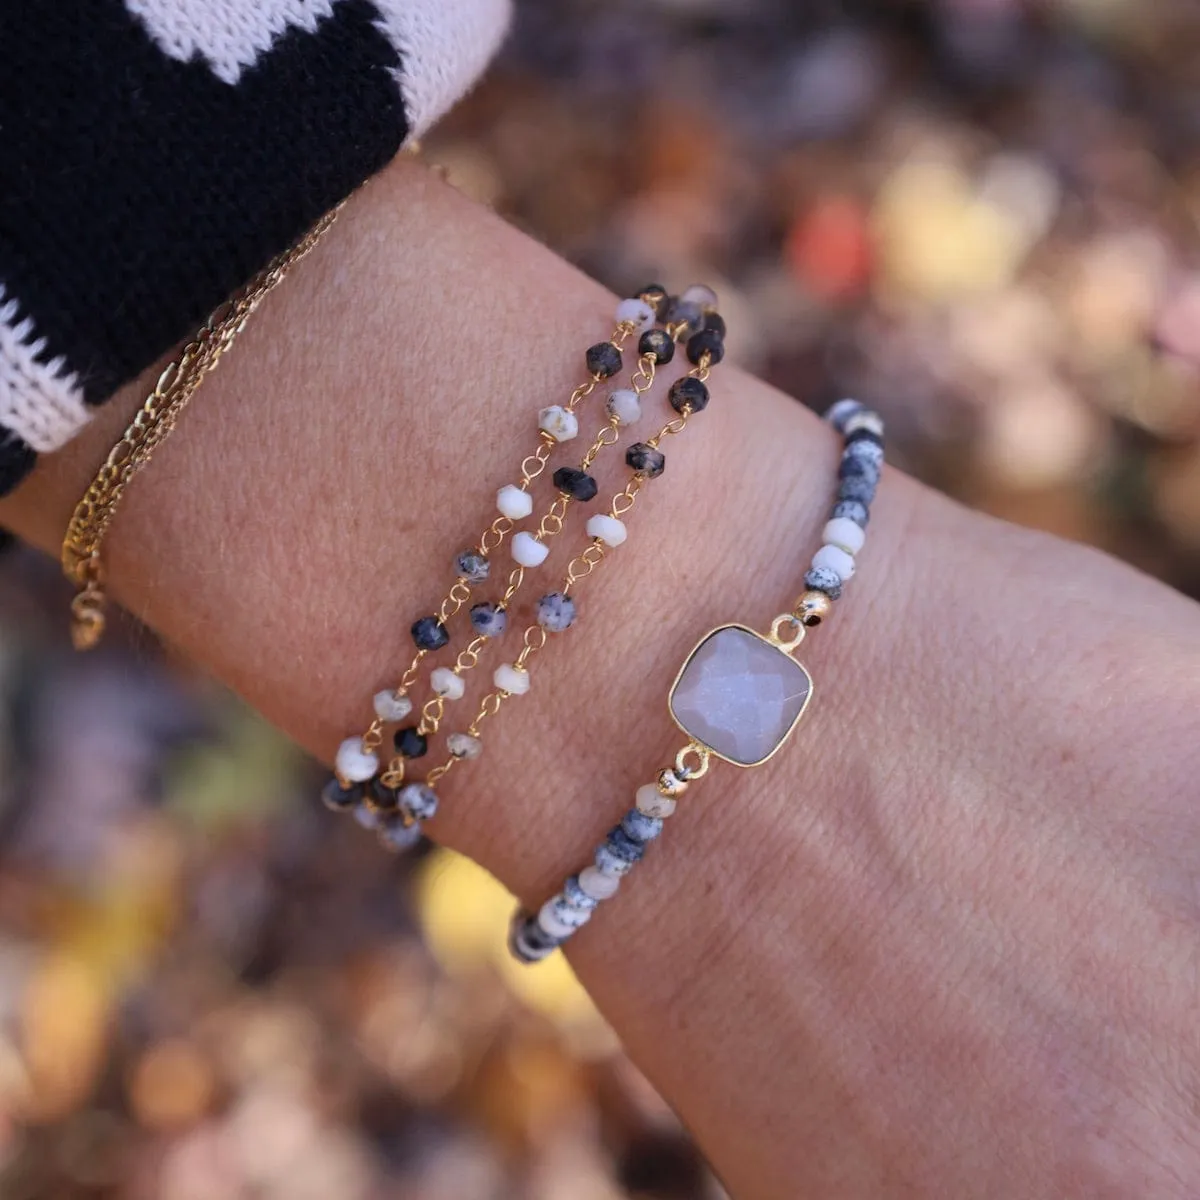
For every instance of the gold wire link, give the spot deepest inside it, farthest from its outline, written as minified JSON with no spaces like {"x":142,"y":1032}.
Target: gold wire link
{"x":155,"y":420}
{"x":468,"y":656}
{"x":700,"y":754}
{"x":373,"y":738}
{"x":489,"y":706}
{"x":535,"y":639}
{"x":534,"y":464}
{"x":431,"y":714}
{"x":582,"y":565}
{"x":393,"y":775}
{"x":581,"y":393}
{"x":410,"y":675}
{"x":439,"y":772}
{"x":515,"y":579}
{"x":608,"y":436}
{"x":623,"y":501}
{"x":453,"y":601}
{"x":494,"y":535}
{"x":551,"y":524}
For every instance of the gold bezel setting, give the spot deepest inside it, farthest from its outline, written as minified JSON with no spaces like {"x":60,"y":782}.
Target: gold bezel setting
{"x":777,"y":647}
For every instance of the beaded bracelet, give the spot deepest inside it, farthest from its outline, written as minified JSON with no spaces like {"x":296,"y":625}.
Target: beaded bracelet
{"x":738,"y":697}
{"x":382,"y":800}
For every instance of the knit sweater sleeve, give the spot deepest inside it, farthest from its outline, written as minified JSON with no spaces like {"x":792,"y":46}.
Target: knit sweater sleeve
{"x":154,"y":154}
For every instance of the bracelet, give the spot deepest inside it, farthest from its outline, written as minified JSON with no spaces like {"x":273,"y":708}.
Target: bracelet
{"x":738,"y":697}
{"x":83,"y":541}
{"x":381,"y":799}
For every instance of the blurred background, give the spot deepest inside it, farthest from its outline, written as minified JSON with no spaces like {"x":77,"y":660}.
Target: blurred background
{"x":979,"y":215}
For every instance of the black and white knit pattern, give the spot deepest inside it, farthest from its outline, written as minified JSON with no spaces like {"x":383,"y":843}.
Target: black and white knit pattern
{"x":154,"y":154}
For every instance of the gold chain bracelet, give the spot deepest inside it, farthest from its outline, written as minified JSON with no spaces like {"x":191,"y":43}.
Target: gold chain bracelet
{"x":84,"y":539}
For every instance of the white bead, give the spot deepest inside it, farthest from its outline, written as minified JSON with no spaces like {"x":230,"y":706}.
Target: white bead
{"x":511,"y":679}
{"x":599,"y":886}
{"x":652,"y":803}
{"x":446,"y":684}
{"x":834,"y":559}
{"x":700,"y":294}
{"x":528,"y":551}
{"x":463,"y":745}
{"x":560,"y":423}
{"x":843,"y":410}
{"x":624,"y":406}
{"x":866,"y":419}
{"x":608,"y":529}
{"x":845,"y":534}
{"x":353,"y":763}
{"x":638,"y":313}
{"x":390,"y":707}
{"x":514,"y":503}
{"x":549,"y":922}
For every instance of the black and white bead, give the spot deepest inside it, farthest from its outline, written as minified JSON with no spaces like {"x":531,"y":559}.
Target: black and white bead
{"x":533,"y":938}
{"x":844,"y":534}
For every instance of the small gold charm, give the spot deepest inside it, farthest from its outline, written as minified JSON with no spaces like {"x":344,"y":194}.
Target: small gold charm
{"x":87,"y":618}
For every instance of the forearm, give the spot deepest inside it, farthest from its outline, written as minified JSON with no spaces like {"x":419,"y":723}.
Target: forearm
{"x":775,"y":967}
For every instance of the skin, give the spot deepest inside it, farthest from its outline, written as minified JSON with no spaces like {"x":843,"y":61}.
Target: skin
{"x":946,"y":943}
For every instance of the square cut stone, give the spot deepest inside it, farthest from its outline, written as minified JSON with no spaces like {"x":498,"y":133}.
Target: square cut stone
{"x":740,"y":695}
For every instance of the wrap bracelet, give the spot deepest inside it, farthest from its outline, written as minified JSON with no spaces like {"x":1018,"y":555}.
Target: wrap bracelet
{"x":738,"y":697}
{"x":381,"y":796}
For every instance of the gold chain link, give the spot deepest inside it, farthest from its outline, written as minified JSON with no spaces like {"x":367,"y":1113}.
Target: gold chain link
{"x":84,"y":538}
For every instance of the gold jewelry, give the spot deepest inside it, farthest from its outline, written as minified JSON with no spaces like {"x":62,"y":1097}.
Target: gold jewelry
{"x":84,"y":539}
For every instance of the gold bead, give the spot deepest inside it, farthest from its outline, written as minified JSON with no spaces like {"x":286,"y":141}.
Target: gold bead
{"x":669,"y":783}
{"x":813,"y":607}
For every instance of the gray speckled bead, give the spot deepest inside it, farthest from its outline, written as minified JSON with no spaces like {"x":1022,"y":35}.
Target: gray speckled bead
{"x":419,"y":801}
{"x":640,"y":827}
{"x":397,"y":835}
{"x":861,"y":488}
{"x":472,"y":566}
{"x":864,"y":451}
{"x":821,"y":579}
{"x":337,"y":798}
{"x":622,"y":845}
{"x":688,"y":311}
{"x":576,"y":897}
{"x":556,"y":612}
{"x":842,"y":411}
{"x":852,"y":467}
{"x":527,"y":942}
{"x":852,"y":510}
{"x":488,"y":620}
{"x":610,"y":863}
{"x":464,"y":745}
{"x":560,"y":918}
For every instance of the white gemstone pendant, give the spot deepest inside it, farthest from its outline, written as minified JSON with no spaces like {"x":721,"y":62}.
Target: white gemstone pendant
{"x":740,"y":694}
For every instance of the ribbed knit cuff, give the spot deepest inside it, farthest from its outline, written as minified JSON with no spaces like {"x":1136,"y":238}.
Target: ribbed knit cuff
{"x":154,"y":154}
